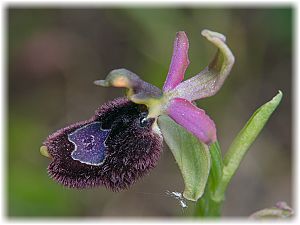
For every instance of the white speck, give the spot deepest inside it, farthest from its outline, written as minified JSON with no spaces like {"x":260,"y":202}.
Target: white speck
{"x":179,"y":197}
{"x":177,"y":194}
{"x":183,"y":204}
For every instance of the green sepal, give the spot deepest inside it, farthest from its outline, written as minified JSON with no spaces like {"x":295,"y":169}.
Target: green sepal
{"x":191,"y":155}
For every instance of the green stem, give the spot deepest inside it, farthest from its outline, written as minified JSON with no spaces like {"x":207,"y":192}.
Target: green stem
{"x":208,"y":206}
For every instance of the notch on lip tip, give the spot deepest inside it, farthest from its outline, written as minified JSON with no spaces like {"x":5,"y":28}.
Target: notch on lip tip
{"x":44,"y":151}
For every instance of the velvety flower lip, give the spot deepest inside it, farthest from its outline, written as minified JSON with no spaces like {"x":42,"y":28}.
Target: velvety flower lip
{"x":132,"y":149}
{"x":177,"y":97}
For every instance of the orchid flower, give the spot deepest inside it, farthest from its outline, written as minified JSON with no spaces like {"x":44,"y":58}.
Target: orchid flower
{"x":122,"y":141}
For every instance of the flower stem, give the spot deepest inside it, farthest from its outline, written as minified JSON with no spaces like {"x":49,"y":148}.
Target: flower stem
{"x":208,"y":206}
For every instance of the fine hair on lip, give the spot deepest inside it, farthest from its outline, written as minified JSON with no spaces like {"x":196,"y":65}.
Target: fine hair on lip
{"x":131,"y":149}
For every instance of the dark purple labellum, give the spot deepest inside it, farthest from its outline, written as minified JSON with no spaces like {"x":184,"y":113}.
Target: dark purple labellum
{"x":89,"y":144}
{"x":114,"y":148}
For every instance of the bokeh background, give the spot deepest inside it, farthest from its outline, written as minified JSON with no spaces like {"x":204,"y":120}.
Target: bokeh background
{"x":55,"y":54}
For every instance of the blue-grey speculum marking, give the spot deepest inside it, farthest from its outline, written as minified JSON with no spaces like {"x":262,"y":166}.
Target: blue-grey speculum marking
{"x":89,"y":144}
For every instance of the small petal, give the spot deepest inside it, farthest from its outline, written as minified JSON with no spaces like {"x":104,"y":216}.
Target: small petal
{"x":209,"y":81}
{"x":139,"y":91}
{"x":193,"y":119}
{"x":179,"y":62}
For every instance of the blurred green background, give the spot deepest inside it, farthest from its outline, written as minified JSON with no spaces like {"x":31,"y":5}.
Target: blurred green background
{"x":55,"y":54}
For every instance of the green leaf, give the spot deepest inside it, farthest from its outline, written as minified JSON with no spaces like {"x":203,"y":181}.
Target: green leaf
{"x":192,"y":157}
{"x":243,"y":141}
